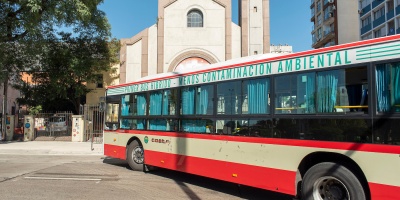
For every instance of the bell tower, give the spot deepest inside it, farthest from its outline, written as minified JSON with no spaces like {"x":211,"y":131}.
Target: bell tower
{"x":254,"y":23}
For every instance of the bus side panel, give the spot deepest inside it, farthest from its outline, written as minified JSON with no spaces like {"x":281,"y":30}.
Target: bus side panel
{"x":115,"y":151}
{"x":384,"y":192}
{"x":113,"y":147}
{"x":261,"y":177}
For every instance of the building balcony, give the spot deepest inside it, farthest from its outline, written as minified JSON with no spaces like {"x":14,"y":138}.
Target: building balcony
{"x":379,"y":21}
{"x":365,"y":10}
{"x":390,"y":14}
{"x":366,"y":29}
{"x":397,"y":9}
{"x":376,"y":3}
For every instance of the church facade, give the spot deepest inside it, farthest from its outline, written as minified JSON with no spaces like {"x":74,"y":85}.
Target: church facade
{"x":192,"y":34}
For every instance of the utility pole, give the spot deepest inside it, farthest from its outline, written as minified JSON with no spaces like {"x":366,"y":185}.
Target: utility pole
{"x":3,"y":119}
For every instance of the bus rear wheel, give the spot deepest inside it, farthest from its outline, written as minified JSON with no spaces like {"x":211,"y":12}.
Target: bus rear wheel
{"x":331,"y":181}
{"x":135,"y":156}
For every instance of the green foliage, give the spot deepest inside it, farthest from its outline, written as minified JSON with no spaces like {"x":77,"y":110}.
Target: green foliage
{"x":35,"y":110}
{"x":61,"y":62}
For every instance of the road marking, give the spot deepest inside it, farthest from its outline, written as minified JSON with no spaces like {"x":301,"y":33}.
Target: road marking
{"x":60,"y":178}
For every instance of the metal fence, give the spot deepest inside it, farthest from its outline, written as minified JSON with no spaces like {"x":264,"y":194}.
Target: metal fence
{"x":94,"y":121}
{"x":53,"y":126}
{"x":58,"y":126}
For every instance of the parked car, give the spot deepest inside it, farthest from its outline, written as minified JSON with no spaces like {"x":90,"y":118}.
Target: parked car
{"x":57,"y":123}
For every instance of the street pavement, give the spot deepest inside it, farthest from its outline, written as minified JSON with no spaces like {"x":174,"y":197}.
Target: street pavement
{"x":50,"y":148}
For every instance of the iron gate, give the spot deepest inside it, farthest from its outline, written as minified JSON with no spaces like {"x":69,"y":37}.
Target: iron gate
{"x":93,"y":122}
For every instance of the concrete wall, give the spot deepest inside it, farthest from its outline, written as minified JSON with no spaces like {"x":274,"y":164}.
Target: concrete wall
{"x":347,"y":20}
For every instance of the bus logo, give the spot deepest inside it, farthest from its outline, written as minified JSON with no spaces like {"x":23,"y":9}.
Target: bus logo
{"x":146,"y":139}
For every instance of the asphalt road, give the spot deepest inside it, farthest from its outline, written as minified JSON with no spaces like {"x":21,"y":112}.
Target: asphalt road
{"x":63,"y":177}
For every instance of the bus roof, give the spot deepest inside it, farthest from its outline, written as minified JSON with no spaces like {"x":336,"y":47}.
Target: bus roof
{"x":254,"y":59}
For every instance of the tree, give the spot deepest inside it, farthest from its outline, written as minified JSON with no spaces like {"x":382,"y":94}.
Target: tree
{"x":68,"y":64}
{"x":25,"y":24}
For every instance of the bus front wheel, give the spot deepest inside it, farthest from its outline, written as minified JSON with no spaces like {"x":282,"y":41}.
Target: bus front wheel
{"x":331,"y":181}
{"x":135,"y":156}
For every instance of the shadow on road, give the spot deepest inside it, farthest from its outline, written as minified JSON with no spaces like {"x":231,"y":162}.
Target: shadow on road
{"x":183,"y":179}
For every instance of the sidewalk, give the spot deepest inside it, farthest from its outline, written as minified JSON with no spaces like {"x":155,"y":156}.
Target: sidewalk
{"x":50,"y":148}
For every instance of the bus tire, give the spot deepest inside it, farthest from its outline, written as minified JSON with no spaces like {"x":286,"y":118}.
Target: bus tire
{"x":329,"y":180}
{"x":135,"y":156}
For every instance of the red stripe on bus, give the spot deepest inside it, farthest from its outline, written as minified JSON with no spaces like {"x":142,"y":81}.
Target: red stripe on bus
{"x":255,"y":176}
{"x":115,"y":151}
{"x":261,"y":177}
{"x":287,"y":56}
{"x":384,"y":192}
{"x":376,"y":148}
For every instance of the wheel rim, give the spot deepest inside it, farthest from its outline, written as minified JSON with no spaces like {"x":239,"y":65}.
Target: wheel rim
{"x":331,"y":188}
{"x":137,"y":155}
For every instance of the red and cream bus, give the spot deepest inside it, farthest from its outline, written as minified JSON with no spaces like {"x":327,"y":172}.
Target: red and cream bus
{"x":319,"y":124}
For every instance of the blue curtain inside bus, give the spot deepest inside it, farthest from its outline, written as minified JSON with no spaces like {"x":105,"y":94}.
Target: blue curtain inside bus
{"x":310,"y":91}
{"x":326,"y":91}
{"x":165,"y":105}
{"x":155,"y":103}
{"x":388,"y":87}
{"x":158,"y":124}
{"x":197,"y":126}
{"x":125,"y":107}
{"x":382,"y":88}
{"x":141,"y":104}
{"x":396,"y":86}
{"x":258,"y":96}
{"x":202,"y":103}
{"x":140,"y":124}
{"x":188,"y":101}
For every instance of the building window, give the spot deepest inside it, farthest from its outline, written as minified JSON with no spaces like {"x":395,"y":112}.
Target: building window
{"x":319,"y":19}
{"x":365,"y":3}
{"x":366,"y":37}
{"x":195,"y":18}
{"x":379,"y":33}
{"x":379,"y":13}
{"x":366,"y":21}
{"x":99,"y":81}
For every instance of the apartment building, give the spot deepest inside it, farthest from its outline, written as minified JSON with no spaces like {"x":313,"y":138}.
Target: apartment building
{"x":335,"y":22}
{"x":379,"y":18}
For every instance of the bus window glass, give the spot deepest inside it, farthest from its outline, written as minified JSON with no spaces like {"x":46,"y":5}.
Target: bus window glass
{"x":231,"y":127}
{"x":295,"y":94}
{"x":141,"y":105}
{"x":204,"y":100}
{"x":169,"y":102}
{"x":187,"y":101}
{"x":126,"y":124}
{"x":163,"y":124}
{"x":256,"y":96}
{"x":155,"y":103}
{"x":126,"y":105}
{"x":112,"y":112}
{"x":197,"y":125}
{"x":261,"y":128}
{"x":229,"y":98}
{"x":342,"y":91}
{"x":388,"y":87}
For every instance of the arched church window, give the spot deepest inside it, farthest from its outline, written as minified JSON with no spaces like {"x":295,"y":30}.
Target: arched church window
{"x":195,"y":18}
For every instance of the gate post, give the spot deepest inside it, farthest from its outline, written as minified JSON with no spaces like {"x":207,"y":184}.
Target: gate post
{"x":77,"y":128}
{"x":29,"y":128}
{"x":10,"y":127}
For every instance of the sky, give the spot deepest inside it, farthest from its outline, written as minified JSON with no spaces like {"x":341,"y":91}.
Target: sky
{"x":289,"y":20}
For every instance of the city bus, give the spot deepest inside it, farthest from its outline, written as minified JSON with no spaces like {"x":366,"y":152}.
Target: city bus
{"x":319,"y":124}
